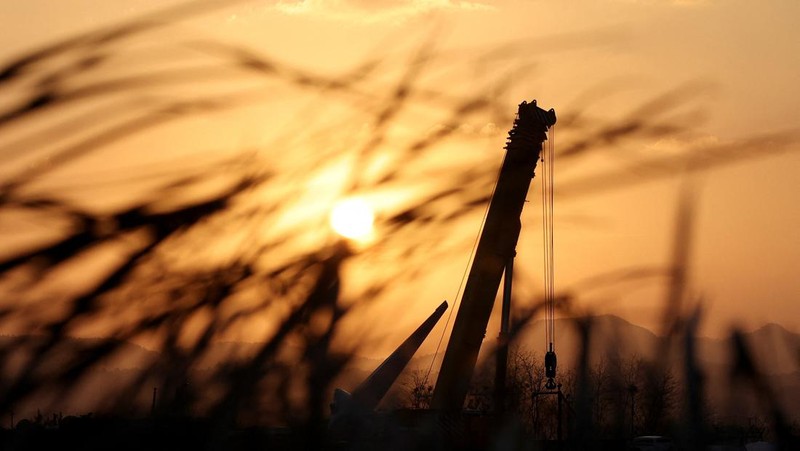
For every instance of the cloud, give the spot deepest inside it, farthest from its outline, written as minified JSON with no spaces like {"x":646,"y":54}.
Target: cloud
{"x":373,"y":11}
{"x":687,"y":3}
{"x":681,"y":145}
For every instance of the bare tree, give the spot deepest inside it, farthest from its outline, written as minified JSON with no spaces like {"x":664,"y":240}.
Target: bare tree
{"x":657,"y":397}
{"x":419,"y":389}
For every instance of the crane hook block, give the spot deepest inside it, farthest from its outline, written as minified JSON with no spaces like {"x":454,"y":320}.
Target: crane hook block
{"x":550,"y":364}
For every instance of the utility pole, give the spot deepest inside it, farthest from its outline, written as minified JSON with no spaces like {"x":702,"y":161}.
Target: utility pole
{"x":632,"y":389}
{"x":560,"y":413}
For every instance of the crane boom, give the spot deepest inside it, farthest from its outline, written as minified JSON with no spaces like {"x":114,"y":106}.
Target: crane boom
{"x":496,"y":245}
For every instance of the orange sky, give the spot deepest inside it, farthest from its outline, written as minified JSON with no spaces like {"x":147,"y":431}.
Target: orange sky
{"x":601,"y":58}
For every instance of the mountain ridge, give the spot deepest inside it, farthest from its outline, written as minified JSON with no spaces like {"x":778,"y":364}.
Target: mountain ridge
{"x":774,"y":349}
{"x":611,"y":333}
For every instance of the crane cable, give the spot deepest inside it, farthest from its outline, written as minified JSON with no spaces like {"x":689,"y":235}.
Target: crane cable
{"x":548,"y":159}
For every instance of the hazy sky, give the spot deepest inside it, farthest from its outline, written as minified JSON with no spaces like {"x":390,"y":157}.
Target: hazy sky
{"x":739,"y":60}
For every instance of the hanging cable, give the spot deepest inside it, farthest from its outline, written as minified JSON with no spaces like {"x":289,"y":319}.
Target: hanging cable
{"x":552,"y":242}
{"x":548,"y":198}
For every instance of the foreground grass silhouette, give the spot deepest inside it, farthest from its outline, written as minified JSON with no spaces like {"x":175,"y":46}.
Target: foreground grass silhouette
{"x":208,"y":245}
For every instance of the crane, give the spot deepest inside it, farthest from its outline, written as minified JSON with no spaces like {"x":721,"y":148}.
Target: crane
{"x":494,"y":254}
{"x":493,"y":257}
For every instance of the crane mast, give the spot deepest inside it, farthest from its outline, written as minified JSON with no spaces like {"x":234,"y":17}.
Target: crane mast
{"x":496,"y":247}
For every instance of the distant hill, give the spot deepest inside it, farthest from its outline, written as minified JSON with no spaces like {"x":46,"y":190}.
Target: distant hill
{"x":775,"y":350}
{"x":125,"y":355}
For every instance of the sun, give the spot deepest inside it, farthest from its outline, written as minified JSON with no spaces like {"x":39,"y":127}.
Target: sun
{"x":352,"y":218}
